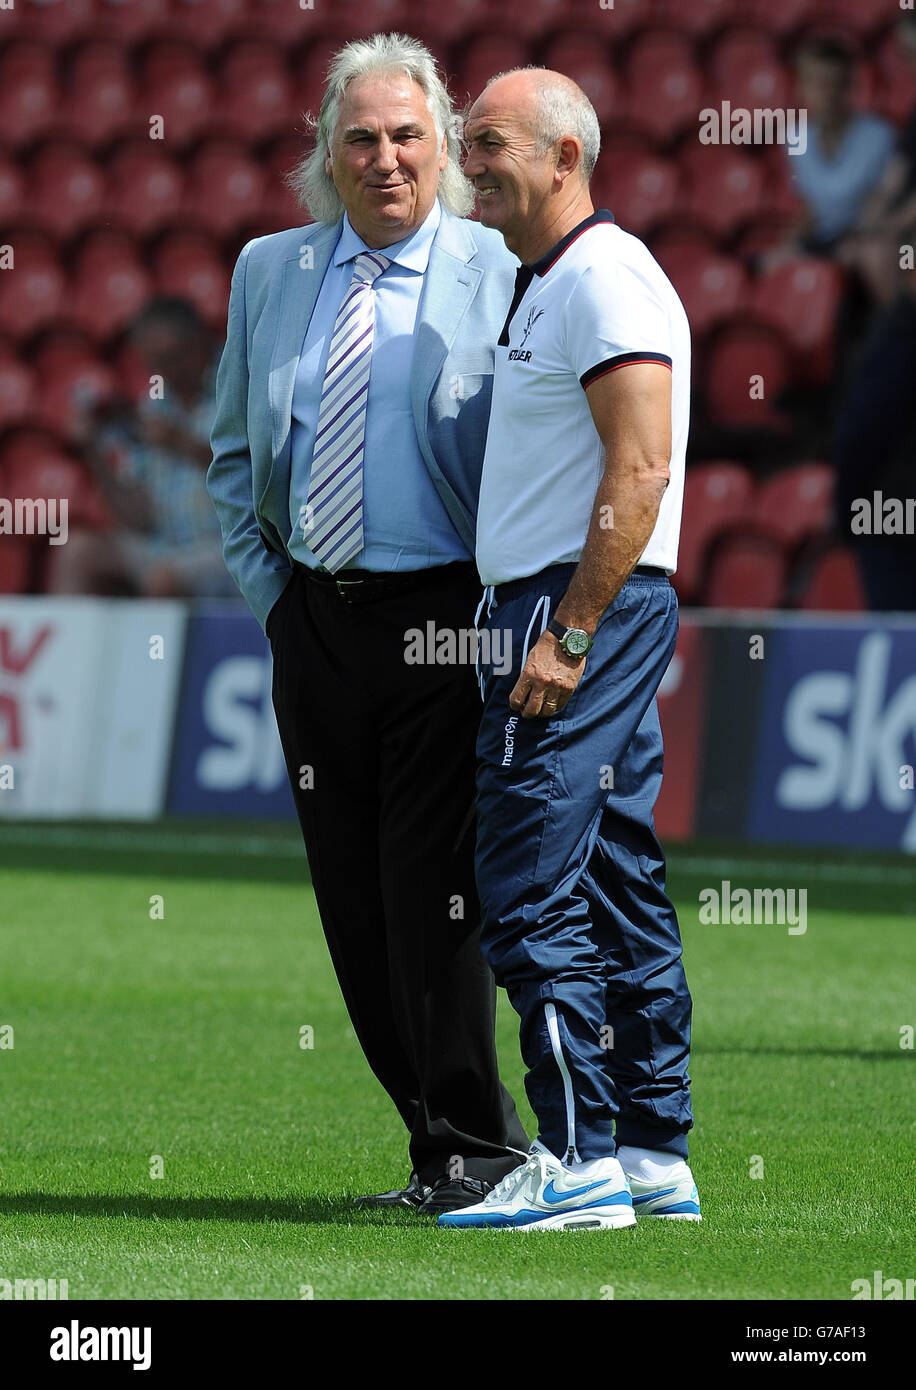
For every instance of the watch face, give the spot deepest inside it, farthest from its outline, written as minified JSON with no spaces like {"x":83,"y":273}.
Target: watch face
{"x":577,"y":642}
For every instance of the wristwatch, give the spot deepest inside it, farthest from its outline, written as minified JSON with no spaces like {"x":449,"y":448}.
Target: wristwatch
{"x":574,"y":640}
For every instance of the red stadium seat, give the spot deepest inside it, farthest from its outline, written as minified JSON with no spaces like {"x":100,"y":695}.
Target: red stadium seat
{"x":258,"y":103}
{"x":147,"y":188}
{"x":727,"y":188}
{"x":12,"y":192}
{"x":168,"y":56}
{"x":533,"y":17}
{"x":280,"y":202}
{"x":745,"y":69}
{"x":101,"y":95}
{"x":585,"y":59}
{"x":311,"y":73}
{"x":835,"y":585}
{"x":486,"y":55}
{"x":58,"y":22}
{"x":763,"y":235}
{"x":134,"y":21}
{"x":111,"y":286}
{"x":225,"y":188}
{"x":742,"y":358}
{"x":640,"y":190}
{"x":665,"y":86}
{"x":700,"y":17}
{"x":33,"y":295}
{"x":67,"y":190}
{"x":208,"y":23}
{"x":746,"y":572}
{"x":188,"y":265}
{"x":795,"y":504}
{"x":619,"y":22}
{"x":351,"y":19}
{"x":29,"y":107}
{"x":712,"y":288}
{"x":71,"y":383}
{"x":860,"y":16}
{"x":15,"y":564}
{"x":717,"y":498}
{"x":895,"y":92}
{"x":34,"y":465}
{"x":802,"y":299}
{"x":26,"y":56}
{"x":18,"y":391}
{"x":185,"y":98}
{"x":441,"y":24}
{"x":680,"y":236}
{"x":780,"y":16}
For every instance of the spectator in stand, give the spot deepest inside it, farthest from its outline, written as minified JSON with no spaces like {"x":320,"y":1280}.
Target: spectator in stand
{"x":150,"y":459}
{"x":847,"y":153}
{"x":888,"y":219}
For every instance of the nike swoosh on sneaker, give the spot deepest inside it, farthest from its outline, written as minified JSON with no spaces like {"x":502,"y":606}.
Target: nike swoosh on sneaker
{"x":552,"y":1196}
{"x":651,"y":1196}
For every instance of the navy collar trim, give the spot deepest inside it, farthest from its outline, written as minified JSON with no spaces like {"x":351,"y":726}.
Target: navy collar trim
{"x":543,"y":264}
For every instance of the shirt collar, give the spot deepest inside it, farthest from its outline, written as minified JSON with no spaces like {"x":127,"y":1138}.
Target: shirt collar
{"x":543,"y":264}
{"x":412,"y":253}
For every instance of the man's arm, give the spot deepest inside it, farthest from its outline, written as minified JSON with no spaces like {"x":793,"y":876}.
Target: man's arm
{"x":631,"y":408}
{"x":261,"y":574}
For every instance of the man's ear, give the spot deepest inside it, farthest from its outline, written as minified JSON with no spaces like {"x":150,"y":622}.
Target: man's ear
{"x":443,"y":153}
{"x":569,"y":156}
{"x":328,"y":167}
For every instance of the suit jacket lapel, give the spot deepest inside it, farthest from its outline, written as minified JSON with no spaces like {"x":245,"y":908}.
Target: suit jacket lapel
{"x":449,"y":287}
{"x":299,"y":289}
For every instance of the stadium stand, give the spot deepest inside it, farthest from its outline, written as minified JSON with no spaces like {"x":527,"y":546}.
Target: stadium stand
{"x":102,"y":215}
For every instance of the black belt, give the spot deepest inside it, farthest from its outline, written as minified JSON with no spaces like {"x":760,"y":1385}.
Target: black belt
{"x":368,"y":586}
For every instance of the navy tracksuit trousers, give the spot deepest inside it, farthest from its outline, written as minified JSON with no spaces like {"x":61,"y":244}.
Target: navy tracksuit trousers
{"x":577,"y":925}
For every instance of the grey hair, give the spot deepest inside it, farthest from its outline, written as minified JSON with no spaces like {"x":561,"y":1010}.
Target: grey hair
{"x":310,"y":182}
{"x":562,"y":108}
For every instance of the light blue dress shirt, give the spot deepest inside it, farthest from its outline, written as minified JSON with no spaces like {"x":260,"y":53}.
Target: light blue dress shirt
{"x":405,"y":525}
{"x":837,"y":185}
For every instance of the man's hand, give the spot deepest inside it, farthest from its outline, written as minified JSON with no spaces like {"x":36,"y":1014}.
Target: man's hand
{"x":548,"y":680}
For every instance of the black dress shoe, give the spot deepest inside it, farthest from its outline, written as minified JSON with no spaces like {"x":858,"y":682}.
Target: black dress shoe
{"x":410,"y":1196}
{"x":451,"y":1194}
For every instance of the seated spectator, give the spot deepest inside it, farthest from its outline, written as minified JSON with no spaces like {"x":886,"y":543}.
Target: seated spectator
{"x":847,"y":151}
{"x":150,"y":459}
{"x":888,"y":219}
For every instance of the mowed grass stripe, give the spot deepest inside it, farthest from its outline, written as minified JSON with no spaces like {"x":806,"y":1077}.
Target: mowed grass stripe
{"x":179,"y":1038}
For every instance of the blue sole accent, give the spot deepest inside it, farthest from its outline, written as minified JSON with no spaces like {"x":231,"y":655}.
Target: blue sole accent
{"x":526,"y":1216}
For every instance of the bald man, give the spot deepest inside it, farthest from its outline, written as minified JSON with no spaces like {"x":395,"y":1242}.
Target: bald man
{"x":577,"y":533}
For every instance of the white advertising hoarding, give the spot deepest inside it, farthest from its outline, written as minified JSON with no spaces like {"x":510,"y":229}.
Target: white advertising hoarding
{"x":88,"y":695}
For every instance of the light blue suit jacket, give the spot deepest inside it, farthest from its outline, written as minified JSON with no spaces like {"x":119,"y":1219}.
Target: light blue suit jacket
{"x":466,"y":294}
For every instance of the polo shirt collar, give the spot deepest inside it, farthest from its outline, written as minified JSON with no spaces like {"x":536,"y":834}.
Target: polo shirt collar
{"x":543,"y":264}
{"x":412,"y":253}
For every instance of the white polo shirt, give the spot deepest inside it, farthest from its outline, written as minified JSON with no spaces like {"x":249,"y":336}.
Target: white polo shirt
{"x":594,"y":303}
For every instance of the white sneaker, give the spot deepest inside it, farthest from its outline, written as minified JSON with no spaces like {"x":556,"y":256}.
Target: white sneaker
{"x":674,"y":1196}
{"x":543,"y":1195}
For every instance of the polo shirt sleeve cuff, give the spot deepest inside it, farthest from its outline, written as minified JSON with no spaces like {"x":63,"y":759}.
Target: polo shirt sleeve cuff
{"x":623,"y":359}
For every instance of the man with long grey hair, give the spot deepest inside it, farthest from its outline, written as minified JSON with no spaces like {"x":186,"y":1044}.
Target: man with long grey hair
{"x":353,"y":398}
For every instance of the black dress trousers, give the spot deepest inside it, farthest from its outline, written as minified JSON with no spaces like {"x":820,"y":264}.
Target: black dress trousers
{"x":389,"y":831}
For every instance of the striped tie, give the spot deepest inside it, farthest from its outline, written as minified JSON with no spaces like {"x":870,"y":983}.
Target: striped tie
{"x":334,"y":506}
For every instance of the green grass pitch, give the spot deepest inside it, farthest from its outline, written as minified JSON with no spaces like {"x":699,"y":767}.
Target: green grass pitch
{"x":136,"y":1037}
